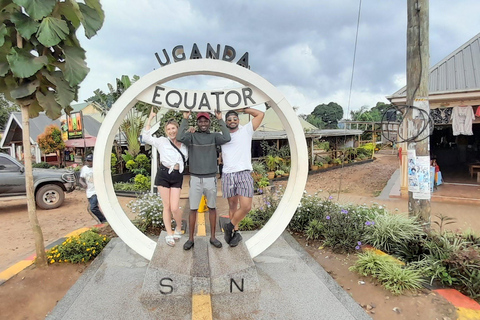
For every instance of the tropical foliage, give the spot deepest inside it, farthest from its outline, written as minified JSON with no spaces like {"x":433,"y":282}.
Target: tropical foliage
{"x":41,"y":60}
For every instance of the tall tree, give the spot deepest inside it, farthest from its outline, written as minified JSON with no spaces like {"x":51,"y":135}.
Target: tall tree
{"x":41,"y":67}
{"x":329,"y":114}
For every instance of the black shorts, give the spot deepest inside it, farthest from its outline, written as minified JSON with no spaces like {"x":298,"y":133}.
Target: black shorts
{"x":168,"y":180}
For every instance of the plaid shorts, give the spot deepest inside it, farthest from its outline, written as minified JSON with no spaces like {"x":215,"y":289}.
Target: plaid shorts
{"x":237,"y":183}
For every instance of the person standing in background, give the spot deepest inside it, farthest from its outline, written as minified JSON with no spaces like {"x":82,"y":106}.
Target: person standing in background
{"x":86,"y":181}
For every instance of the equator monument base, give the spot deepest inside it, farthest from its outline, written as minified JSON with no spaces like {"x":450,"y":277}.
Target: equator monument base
{"x":292,"y":286}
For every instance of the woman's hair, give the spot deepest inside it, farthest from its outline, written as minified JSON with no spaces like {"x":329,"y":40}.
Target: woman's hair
{"x":170,"y":121}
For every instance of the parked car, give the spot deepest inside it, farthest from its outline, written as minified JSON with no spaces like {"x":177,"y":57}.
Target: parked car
{"x":49,"y":185}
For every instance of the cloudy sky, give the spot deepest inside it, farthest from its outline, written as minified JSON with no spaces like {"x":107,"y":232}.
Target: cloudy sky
{"x":305,"y":48}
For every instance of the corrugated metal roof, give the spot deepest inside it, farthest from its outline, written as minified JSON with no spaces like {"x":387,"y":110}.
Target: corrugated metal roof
{"x":459,"y":71}
{"x":281,"y":134}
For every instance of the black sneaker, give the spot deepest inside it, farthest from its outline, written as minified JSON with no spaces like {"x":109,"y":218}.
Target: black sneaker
{"x":188,"y":245}
{"x":237,"y":237}
{"x":215,"y":243}
{"x":228,"y":229}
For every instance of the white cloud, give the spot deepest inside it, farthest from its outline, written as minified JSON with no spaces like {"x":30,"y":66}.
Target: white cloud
{"x":303,"y":48}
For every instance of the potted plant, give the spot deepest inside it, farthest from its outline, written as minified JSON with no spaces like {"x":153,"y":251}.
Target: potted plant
{"x":337,"y":161}
{"x":279,"y":173}
{"x":286,"y":169}
{"x":328,"y":161}
{"x":272,"y":162}
{"x":258,"y":170}
{"x":262,"y":184}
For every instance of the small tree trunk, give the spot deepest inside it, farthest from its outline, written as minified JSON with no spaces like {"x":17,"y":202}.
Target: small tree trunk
{"x":41,"y":260}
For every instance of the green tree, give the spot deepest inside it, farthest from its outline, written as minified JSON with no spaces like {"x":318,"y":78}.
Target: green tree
{"x":50,"y":141}
{"x":362,"y":114}
{"x":41,"y":67}
{"x":329,"y":114}
{"x":317,"y":122}
{"x":373,"y":114}
{"x":380,"y":108}
{"x":6,"y":108}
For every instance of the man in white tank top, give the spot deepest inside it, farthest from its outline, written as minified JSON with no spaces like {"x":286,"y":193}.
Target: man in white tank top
{"x":237,"y":181}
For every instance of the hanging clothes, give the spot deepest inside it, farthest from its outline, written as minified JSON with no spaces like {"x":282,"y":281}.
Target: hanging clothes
{"x":441,"y":115}
{"x":477,"y":114}
{"x":462,"y":119}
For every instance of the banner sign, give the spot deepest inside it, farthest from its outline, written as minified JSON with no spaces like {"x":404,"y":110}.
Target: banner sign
{"x":75,"y":125}
{"x":206,"y":101}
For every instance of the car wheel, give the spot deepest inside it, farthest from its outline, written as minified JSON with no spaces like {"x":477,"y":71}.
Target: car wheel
{"x":49,"y":196}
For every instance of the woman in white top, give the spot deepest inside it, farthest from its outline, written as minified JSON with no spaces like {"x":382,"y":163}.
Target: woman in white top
{"x":169,"y":176}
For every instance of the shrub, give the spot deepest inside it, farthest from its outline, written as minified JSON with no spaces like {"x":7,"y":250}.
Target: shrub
{"x":268,"y":205}
{"x":142,"y":183}
{"x":365,"y":151}
{"x":259,"y":168}
{"x":80,"y":248}
{"x":314,"y":230}
{"x":392,"y":275}
{"x":42,"y":165}
{"x":143,"y":164}
{"x":310,"y":208}
{"x":131,"y":165}
{"x":452,"y":260}
{"x":124,"y":186}
{"x":149,"y":210}
{"x":247,"y":224}
{"x":262,"y":183}
{"x":344,"y":229}
{"x":391,"y":231}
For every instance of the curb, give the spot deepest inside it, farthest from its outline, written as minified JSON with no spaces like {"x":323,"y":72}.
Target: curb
{"x":28,"y":261}
{"x":467,"y":308}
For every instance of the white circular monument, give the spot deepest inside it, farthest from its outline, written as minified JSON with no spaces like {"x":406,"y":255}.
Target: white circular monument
{"x":149,"y":89}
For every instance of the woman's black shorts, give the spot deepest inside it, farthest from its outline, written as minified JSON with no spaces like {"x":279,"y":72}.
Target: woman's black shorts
{"x":168,"y":180}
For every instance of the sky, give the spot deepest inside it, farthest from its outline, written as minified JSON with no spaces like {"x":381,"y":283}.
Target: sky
{"x":304,"y":48}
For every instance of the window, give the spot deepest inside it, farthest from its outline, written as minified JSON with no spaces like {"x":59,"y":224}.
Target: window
{"x":8,"y":165}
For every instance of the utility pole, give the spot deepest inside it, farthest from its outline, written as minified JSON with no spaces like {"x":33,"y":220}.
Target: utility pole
{"x":416,"y":119}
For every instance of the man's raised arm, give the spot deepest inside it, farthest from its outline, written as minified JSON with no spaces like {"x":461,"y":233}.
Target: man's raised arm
{"x":257,"y":117}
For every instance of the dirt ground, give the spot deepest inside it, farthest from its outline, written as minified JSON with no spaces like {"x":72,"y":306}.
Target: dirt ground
{"x":33,"y":293}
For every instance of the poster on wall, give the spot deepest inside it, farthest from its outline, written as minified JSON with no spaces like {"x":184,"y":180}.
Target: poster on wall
{"x":418,"y":175}
{"x":75,"y":125}
{"x":423,"y":176}
{"x":412,"y":171}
